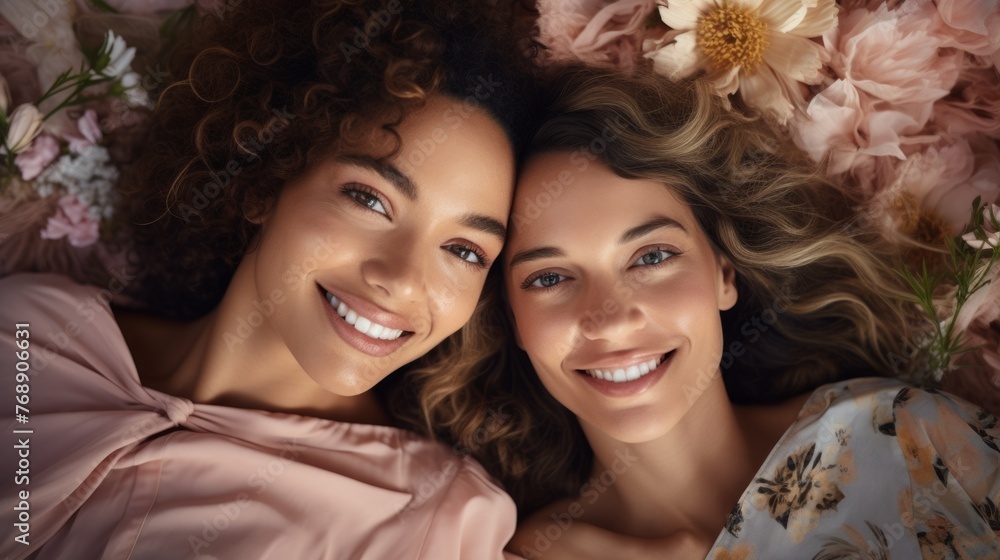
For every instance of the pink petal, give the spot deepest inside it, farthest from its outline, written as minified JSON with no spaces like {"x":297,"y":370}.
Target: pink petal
{"x":37,"y":157}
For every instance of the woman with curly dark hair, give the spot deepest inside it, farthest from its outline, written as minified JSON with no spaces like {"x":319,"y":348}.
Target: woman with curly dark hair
{"x":686,"y":363}
{"x":323,"y":189}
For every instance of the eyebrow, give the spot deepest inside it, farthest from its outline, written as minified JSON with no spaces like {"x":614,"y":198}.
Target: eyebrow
{"x":534,"y":255}
{"x":651,"y":225}
{"x":485,"y":224}
{"x":388,"y":172}
{"x":630,"y":235}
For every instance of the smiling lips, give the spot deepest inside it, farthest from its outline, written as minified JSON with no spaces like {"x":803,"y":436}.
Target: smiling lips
{"x":362,"y":324}
{"x":630,"y":373}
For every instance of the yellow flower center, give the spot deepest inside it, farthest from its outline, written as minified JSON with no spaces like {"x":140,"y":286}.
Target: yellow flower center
{"x":733,"y":36}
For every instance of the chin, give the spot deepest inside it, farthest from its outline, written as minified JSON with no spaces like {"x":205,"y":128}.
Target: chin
{"x":635,"y":428}
{"x":348,"y":384}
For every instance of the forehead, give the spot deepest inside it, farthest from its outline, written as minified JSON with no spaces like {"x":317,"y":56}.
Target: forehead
{"x":453,"y":147}
{"x":558,"y":197}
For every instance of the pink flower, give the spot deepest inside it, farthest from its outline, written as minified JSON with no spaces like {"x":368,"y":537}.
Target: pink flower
{"x":974,"y":105}
{"x":977,"y":376}
{"x":893,"y":56}
{"x":37,"y":157}
{"x":594,"y":31}
{"x":72,"y":219}
{"x":946,"y":177}
{"x":89,"y":132}
{"x":846,"y":123}
{"x":969,"y":25}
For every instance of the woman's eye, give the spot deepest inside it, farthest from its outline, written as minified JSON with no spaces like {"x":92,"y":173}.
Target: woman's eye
{"x":653,"y":257}
{"x":367,"y":200}
{"x":547,"y":280}
{"x":468,"y":255}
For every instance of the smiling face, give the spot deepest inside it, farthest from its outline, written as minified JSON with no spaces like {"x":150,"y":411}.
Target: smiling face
{"x":376,"y":263}
{"x":616,"y":293}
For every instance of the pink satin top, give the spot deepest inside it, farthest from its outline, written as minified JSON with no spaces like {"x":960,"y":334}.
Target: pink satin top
{"x":118,"y":470}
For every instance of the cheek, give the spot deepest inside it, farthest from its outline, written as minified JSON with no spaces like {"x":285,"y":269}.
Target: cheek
{"x":454,"y":296}
{"x":545,"y":333}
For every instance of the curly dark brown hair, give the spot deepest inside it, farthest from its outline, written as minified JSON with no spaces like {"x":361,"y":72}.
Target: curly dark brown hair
{"x":260,"y":92}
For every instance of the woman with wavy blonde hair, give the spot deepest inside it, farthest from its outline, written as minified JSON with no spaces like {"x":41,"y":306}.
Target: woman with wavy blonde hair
{"x":323,"y":188}
{"x":684,"y":368}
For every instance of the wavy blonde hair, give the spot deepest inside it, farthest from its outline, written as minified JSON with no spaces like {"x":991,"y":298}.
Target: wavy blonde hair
{"x":821,"y":282}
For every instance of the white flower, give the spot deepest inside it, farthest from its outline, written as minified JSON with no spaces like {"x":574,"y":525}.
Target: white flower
{"x":759,"y":47}
{"x":114,"y":58}
{"x":991,"y":217}
{"x":24,"y":124}
{"x":89,"y":175}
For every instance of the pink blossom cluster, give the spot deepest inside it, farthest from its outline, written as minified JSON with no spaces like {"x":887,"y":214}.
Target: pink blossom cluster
{"x":911,"y":104}
{"x":910,"y":112}
{"x":598,"y":32}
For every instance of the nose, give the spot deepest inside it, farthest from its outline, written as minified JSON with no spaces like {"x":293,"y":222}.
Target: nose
{"x":397,"y":268}
{"x":603,"y":316}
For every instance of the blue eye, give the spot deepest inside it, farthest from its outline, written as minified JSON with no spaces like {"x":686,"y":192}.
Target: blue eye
{"x":366,"y":199}
{"x":653,"y":257}
{"x":545,"y":280}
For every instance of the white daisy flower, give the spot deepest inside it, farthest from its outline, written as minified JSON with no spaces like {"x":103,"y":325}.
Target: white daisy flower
{"x":758,"y":47}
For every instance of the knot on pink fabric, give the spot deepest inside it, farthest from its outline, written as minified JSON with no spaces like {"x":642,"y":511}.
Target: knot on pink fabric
{"x":177,"y":410}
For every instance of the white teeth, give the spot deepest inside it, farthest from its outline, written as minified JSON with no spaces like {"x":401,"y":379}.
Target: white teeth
{"x":630,"y":373}
{"x":364,"y":325}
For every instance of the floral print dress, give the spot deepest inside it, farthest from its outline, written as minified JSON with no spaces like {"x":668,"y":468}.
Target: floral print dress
{"x":874,"y":469}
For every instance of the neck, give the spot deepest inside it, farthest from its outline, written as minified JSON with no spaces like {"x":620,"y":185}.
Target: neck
{"x":687,"y":480}
{"x":237,"y":359}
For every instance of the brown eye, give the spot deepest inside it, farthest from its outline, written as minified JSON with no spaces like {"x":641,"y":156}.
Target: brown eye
{"x":366,"y":199}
